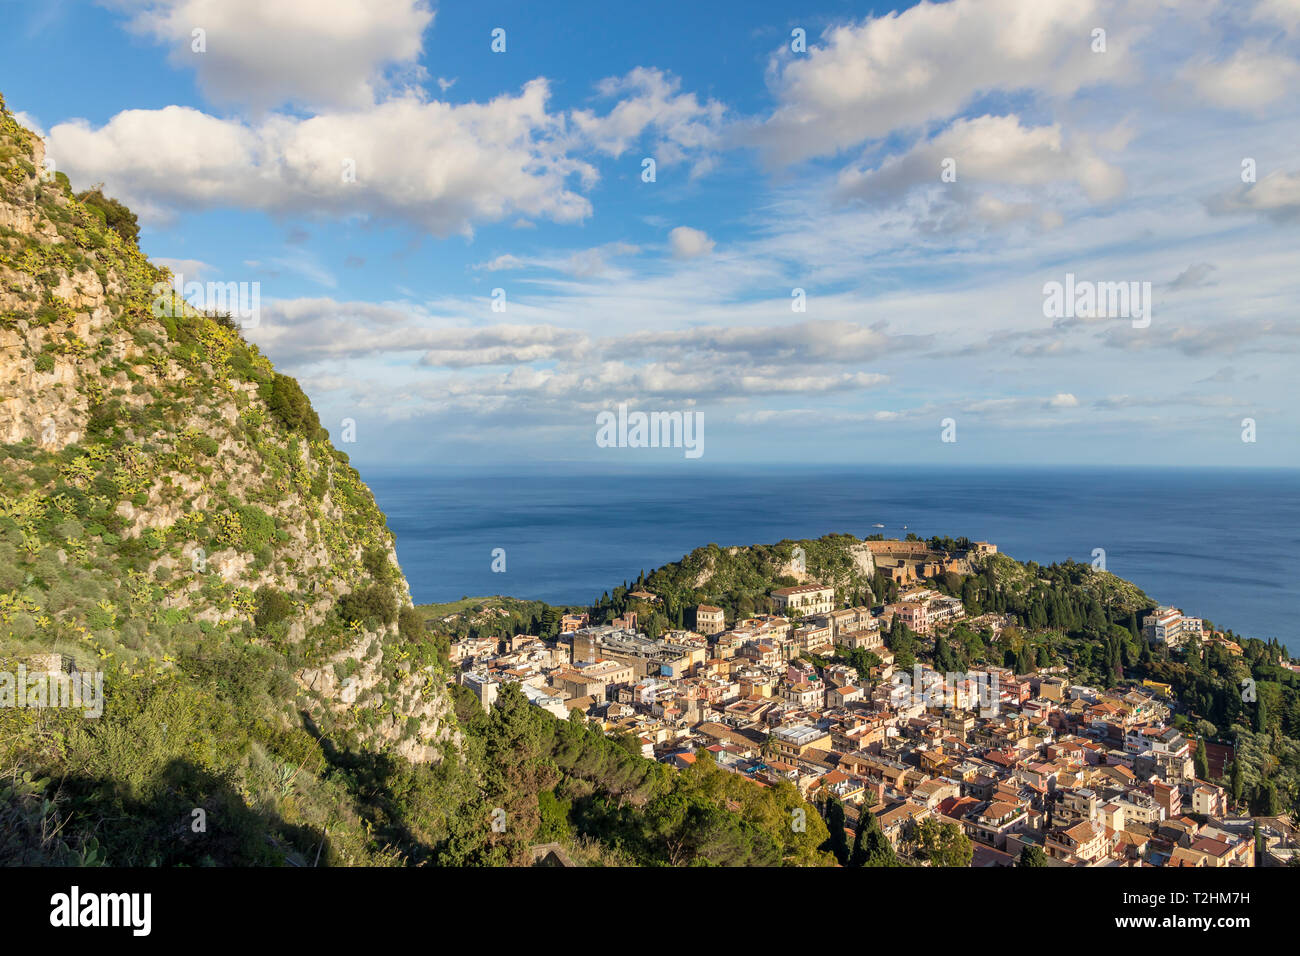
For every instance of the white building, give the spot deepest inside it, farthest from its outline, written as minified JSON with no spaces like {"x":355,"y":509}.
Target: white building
{"x":1167,"y":625}
{"x":805,"y":598}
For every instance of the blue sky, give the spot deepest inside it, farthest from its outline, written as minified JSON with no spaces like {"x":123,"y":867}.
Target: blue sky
{"x":1114,"y":159}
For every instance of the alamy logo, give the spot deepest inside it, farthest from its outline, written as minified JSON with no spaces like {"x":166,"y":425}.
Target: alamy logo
{"x":83,"y":689}
{"x":1083,"y":299}
{"x":75,"y":909}
{"x":962,"y":691}
{"x":241,"y":301}
{"x":651,"y":430}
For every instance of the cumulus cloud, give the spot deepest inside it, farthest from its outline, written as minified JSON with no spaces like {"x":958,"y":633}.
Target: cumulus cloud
{"x":1249,"y":79}
{"x":650,"y":103}
{"x":439,"y":166}
{"x":315,"y":53}
{"x":987,"y":149}
{"x":1276,"y":196}
{"x":687,"y":243}
{"x":906,"y":70}
{"x":979,"y":154}
{"x":436,"y":165}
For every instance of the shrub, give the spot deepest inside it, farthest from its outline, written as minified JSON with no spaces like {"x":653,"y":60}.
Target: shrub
{"x":257,"y":527}
{"x":374,"y":603}
{"x":116,"y":216}
{"x":377,"y":565}
{"x":272,"y":607}
{"x":289,"y":403}
{"x":205,"y":444}
{"x":410,"y":625}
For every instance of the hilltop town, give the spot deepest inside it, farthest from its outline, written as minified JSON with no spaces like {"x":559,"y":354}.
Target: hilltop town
{"x":863,"y":706}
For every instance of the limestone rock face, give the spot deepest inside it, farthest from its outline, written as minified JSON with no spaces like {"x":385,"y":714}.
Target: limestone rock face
{"x":195,"y":480}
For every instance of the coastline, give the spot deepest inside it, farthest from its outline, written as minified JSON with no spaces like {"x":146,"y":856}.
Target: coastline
{"x":571,"y":534}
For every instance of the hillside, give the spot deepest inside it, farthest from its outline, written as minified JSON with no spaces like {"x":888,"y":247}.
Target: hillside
{"x":174,"y":518}
{"x":173,"y":514}
{"x":1024,"y":579}
{"x":492,"y":616}
{"x":740,"y":578}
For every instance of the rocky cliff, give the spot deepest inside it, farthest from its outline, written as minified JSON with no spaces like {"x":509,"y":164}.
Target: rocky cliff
{"x":171,"y":509}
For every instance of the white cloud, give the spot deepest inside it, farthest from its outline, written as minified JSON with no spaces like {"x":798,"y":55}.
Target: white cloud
{"x":436,"y":165}
{"x":582,"y":263}
{"x":1283,"y":13}
{"x":688,"y":243}
{"x":316,"y":53}
{"x":30,"y":122}
{"x":1276,"y":196}
{"x":502,"y":262}
{"x":594,"y":385}
{"x":503,"y":345}
{"x":986,"y":151}
{"x":1249,"y":79}
{"x":305,"y":331}
{"x":650,"y":101}
{"x":1224,"y":338}
{"x":188,"y":268}
{"x":823,"y":341}
{"x":906,"y":70}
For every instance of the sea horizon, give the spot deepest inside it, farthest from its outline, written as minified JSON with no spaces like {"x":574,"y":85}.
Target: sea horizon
{"x":572,"y":532}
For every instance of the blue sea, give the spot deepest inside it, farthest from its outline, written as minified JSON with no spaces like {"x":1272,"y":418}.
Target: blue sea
{"x":1218,"y":543}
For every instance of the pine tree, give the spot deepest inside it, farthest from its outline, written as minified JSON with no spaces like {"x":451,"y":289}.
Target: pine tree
{"x":1032,"y":856}
{"x":859,"y":855}
{"x":1202,"y":760}
{"x":870,"y":845}
{"x":839,"y":844}
{"x":880,"y":852}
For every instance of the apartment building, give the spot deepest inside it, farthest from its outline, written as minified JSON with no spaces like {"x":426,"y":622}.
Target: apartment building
{"x":485,"y":688}
{"x":805,"y":694}
{"x":709,"y":619}
{"x":572,"y":622}
{"x":807,"y":599}
{"x":867,"y":637}
{"x":791,"y":743}
{"x":1168,"y":625}
{"x":915,"y":614}
{"x":814,"y":638}
{"x":1081,"y":843}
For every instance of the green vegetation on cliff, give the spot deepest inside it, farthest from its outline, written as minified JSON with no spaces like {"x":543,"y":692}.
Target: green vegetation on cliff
{"x":173,"y":516}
